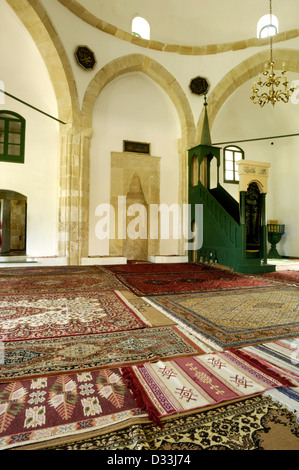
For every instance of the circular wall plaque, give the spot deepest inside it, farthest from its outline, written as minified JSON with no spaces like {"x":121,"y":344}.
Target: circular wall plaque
{"x":199,"y":85}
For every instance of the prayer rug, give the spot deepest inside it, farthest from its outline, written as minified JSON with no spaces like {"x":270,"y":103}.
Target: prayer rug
{"x":54,"y":314}
{"x":237,"y":318}
{"x":59,"y":279}
{"x":53,"y":356}
{"x":256,"y":423}
{"x":46,"y":408}
{"x":281,"y":356}
{"x":184,"y":384}
{"x":161,"y":279}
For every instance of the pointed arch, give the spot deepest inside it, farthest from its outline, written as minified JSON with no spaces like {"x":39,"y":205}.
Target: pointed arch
{"x":39,"y":26}
{"x":154,"y":70}
{"x":243,"y":72}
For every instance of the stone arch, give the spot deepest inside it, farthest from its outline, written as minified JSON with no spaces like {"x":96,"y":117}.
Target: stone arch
{"x":154,"y":70}
{"x":243,"y":72}
{"x":39,"y":26}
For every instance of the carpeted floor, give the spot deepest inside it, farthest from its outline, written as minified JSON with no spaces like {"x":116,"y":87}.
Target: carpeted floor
{"x":68,"y":333}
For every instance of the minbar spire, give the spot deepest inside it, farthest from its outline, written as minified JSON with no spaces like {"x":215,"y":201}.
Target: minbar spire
{"x":205,"y":135}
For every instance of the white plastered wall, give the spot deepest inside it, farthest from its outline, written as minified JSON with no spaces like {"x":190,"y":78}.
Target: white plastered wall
{"x":133,"y":107}
{"x":25,"y":76}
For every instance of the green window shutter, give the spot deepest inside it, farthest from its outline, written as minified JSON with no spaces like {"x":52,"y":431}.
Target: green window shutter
{"x":12,"y":137}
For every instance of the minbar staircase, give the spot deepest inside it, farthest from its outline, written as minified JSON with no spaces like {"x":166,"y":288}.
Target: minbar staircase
{"x":223,"y":231}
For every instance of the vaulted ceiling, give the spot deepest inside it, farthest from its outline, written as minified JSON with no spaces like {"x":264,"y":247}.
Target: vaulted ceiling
{"x":196,"y":22}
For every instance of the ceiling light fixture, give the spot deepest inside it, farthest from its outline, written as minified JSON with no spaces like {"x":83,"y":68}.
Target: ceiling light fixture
{"x":269,"y":91}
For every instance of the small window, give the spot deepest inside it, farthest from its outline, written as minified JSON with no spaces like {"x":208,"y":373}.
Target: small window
{"x":231,"y":155}
{"x":140,"y":28}
{"x":12,"y":137}
{"x":267,"y":28}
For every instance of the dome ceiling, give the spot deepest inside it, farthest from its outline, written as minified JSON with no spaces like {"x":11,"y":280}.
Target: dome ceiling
{"x":195,"y":22}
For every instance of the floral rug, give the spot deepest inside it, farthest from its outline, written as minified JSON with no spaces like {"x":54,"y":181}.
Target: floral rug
{"x":256,"y":423}
{"x":184,"y":384}
{"x":53,"y":356}
{"x":51,"y":315}
{"x":46,"y":408}
{"x":161,"y":279}
{"x":236,"y":318}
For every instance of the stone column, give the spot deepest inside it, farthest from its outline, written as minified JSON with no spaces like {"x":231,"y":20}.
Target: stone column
{"x":74,"y":193}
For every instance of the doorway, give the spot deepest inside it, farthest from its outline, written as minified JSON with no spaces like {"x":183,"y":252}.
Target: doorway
{"x":13,"y":221}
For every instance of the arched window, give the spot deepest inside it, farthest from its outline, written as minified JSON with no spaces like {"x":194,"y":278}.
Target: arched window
{"x":140,"y":27}
{"x":231,"y":155}
{"x":12,"y":137}
{"x":265,"y":28}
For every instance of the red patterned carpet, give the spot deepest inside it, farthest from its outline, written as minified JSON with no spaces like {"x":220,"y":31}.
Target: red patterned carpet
{"x":46,"y":408}
{"x":53,"y":315}
{"x":58,"y":279}
{"x":160,"y":279}
{"x":70,"y":333}
{"x":288,"y":277}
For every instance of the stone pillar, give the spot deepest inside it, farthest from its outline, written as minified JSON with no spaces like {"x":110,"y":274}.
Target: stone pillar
{"x":74,"y":193}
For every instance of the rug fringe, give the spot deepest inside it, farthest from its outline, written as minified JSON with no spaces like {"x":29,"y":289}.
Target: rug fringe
{"x":141,"y":401}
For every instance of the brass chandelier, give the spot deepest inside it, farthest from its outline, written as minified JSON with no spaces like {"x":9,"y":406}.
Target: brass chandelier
{"x":274,"y":88}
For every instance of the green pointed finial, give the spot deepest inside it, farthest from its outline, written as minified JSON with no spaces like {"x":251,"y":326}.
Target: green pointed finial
{"x":205,"y":135}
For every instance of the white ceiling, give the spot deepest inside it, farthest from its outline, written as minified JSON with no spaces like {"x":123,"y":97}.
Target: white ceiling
{"x":196,"y":22}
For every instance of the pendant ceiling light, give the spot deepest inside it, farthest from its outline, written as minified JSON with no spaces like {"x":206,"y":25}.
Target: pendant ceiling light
{"x":274,"y":88}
